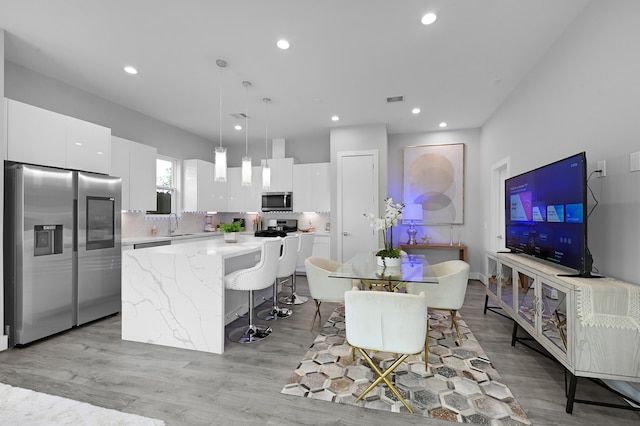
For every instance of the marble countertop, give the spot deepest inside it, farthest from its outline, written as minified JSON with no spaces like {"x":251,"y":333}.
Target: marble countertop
{"x":247,"y":243}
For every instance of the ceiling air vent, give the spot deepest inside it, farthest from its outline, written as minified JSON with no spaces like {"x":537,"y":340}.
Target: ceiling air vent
{"x":239,"y":115}
{"x":395,"y":99}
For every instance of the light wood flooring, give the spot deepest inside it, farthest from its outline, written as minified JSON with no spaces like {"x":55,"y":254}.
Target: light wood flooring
{"x":242,"y":386}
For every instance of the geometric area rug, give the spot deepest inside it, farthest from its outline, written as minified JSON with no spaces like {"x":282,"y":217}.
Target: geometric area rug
{"x":460,"y":384}
{"x":23,"y":407}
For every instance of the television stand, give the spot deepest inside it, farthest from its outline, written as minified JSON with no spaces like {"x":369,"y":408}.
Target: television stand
{"x":587,"y":325}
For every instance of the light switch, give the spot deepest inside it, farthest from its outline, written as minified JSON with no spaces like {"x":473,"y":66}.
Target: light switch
{"x":634,"y":161}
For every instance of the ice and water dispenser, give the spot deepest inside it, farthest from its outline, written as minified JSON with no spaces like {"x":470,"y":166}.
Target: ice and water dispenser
{"x":47,"y":240}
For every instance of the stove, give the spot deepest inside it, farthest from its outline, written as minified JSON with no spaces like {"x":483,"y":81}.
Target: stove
{"x":270,"y":233}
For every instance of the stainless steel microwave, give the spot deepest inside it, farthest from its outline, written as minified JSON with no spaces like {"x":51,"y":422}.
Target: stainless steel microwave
{"x":277,"y":201}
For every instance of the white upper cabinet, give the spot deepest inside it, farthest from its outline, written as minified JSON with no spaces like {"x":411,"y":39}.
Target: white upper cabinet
{"x":281,"y":174}
{"x":311,"y":187}
{"x":39,"y":136}
{"x":244,"y":198}
{"x":320,"y":187}
{"x":200,"y":192}
{"x":135,"y":163}
{"x":35,"y":135}
{"x":88,"y":146}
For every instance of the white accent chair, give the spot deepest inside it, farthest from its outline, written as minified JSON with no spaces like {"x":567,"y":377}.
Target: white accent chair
{"x":447,"y":294}
{"x":323,"y":288}
{"x":305,"y":248}
{"x":387,"y":322}
{"x":286,"y":268}
{"x":260,"y":276}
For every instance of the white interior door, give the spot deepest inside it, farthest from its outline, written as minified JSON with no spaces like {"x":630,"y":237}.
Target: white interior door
{"x":357,"y":195}
{"x":499,"y":173}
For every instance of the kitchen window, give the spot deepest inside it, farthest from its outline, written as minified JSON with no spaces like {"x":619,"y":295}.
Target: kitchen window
{"x":166,"y":185}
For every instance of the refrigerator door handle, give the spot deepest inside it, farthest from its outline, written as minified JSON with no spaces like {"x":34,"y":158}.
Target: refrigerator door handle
{"x":75,"y":225}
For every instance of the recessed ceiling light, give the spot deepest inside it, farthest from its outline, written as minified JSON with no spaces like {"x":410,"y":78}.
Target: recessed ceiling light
{"x":429,"y":19}
{"x":335,"y":118}
{"x":283,"y":44}
{"x":130,"y":70}
{"x":237,"y":127}
{"x":415,"y":111}
{"x":443,"y":124}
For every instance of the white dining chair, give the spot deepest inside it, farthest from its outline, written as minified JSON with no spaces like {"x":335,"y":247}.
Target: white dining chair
{"x":447,"y":294}
{"x":387,"y":322}
{"x":322,"y":287}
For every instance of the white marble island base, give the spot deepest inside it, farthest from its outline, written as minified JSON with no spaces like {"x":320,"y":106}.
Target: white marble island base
{"x":175,"y":295}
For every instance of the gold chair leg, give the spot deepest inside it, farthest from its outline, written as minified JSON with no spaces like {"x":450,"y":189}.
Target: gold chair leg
{"x":382,"y":376}
{"x":454,"y":325}
{"x":426,"y":347}
{"x":317,"y":314}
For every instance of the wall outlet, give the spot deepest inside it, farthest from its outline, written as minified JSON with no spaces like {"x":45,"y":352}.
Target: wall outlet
{"x":634,"y":161}
{"x":602,"y":166}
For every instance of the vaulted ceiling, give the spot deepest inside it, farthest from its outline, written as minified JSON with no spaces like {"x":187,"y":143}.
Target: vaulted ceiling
{"x":346,"y":57}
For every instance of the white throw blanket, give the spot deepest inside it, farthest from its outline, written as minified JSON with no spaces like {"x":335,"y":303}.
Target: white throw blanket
{"x":26,"y":407}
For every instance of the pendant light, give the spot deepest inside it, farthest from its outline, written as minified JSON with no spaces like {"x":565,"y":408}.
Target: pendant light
{"x":246,"y":160}
{"x":266,"y":171}
{"x":220,"y":169}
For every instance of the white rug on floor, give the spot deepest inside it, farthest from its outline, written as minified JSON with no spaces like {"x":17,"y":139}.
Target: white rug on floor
{"x":26,"y":407}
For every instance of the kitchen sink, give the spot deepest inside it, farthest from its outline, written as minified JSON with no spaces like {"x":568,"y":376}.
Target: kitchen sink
{"x":179,"y":235}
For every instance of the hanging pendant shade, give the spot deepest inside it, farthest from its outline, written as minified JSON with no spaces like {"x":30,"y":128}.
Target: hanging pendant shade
{"x":266,"y":177}
{"x":220,"y":164}
{"x":246,"y":171}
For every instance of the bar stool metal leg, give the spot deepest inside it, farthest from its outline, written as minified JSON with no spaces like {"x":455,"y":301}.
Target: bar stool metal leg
{"x":294,"y":298}
{"x":275,"y":312}
{"x":252,"y":332}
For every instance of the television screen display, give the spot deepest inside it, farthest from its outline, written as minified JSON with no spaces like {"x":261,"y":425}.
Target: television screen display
{"x":546,"y":213}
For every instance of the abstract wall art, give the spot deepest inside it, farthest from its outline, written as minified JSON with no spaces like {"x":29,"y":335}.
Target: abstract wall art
{"x":434,"y":178}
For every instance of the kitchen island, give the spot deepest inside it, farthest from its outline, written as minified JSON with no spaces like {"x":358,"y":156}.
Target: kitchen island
{"x":175,"y":295}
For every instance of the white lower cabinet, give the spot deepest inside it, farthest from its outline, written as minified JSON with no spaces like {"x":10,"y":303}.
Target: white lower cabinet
{"x":321,"y":246}
{"x":135,"y":163}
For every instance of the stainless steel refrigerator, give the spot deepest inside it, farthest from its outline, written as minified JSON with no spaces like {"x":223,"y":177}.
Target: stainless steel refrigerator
{"x":62,"y":250}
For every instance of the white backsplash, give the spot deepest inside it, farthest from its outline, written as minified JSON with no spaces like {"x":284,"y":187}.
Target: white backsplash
{"x":138,"y":224}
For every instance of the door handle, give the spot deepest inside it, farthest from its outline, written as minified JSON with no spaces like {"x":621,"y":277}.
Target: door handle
{"x":499,"y":237}
{"x":345,"y":234}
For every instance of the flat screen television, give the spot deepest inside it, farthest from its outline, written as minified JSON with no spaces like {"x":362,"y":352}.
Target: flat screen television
{"x":546,"y":213}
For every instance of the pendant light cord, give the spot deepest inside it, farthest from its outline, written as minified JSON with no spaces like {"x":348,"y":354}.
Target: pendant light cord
{"x":266,"y":131}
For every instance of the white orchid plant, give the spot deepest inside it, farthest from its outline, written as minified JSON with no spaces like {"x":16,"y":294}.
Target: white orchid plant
{"x":392,"y":214}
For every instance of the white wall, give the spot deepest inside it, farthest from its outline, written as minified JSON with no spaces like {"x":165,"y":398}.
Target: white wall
{"x":584,"y":95}
{"x":473,"y":194}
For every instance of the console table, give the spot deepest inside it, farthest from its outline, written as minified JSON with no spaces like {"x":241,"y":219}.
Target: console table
{"x":590,"y":326}
{"x":461,"y":248}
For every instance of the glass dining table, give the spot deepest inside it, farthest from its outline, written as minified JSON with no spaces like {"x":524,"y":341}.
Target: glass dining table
{"x":364,"y":267}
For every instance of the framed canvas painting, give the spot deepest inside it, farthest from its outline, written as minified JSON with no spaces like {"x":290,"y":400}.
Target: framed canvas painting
{"x":433,"y":176}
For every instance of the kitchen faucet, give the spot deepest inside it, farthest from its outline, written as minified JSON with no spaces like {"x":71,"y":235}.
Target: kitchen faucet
{"x":172,"y":230}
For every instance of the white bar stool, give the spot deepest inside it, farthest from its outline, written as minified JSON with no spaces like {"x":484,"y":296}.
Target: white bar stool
{"x":286,"y":267}
{"x":255,"y":278}
{"x":305,"y":248}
